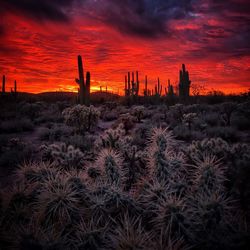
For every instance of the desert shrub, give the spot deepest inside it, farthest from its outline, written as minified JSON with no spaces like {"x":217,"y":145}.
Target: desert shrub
{"x":212,"y":118}
{"x":138,"y":112}
{"x":52,"y":114}
{"x":109,"y":115}
{"x":183,"y":133}
{"x":175,"y":114}
{"x":31,"y":110}
{"x":16,"y":125}
{"x":226,"y":133}
{"x":240,"y":122}
{"x":227,"y":109}
{"x":157,"y":118}
{"x":81,"y":117}
{"x":55,"y":133}
{"x":188,"y":119}
{"x":15,"y":152}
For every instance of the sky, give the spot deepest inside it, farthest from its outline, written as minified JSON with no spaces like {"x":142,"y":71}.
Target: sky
{"x":40,"y":41}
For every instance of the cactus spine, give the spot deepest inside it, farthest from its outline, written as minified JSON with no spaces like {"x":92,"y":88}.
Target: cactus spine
{"x":3,"y":84}
{"x":184,"y":83}
{"x":84,"y":90}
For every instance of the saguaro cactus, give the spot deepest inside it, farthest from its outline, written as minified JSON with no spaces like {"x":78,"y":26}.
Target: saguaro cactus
{"x":3,"y":84}
{"x":132,"y":87}
{"x":170,"y":91}
{"x":84,"y":90}
{"x":146,"y":93}
{"x":184,"y":83}
{"x":158,"y":88}
{"x":15,"y":87}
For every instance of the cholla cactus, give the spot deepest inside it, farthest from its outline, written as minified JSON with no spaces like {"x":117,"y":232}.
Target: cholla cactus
{"x":170,"y":244}
{"x":112,"y":137}
{"x":130,"y":234}
{"x":160,"y":142}
{"x":127,"y":120}
{"x":36,"y":173}
{"x":208,"y":211}
{"x":16,"y":206}
{"x":89,"y":236}
{"x":208,"y":174}
{"x":138,"y":112}
{"x":171,"y":217}
{"x":58,"y":203}
{"x":34,"y":236}
{"x":214,"y":146}
{"x":63,"y":156}
{"x":110,"y":162}
{"x":81,"y":117}
{"x":152,"y":193}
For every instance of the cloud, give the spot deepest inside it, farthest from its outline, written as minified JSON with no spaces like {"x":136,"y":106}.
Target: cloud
{"x":142,"y":18}
{"x":40,"y":10}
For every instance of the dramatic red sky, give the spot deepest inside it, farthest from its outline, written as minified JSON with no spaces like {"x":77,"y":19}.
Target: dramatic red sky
{"x":40,"y":41}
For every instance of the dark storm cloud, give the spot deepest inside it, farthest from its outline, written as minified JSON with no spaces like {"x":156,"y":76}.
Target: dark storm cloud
{"x":145,"y":18}
{"x":54,"y":10}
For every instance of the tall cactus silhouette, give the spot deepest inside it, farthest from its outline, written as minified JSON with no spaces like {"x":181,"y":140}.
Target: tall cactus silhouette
{"x":131,"y":86}
{"x":3,"y":84}
{"x":184,"y":83}
{"x":146,"y":91}
{"x":158,"y":88}
{"x":84,"y":90}
{"x":15,"y":87}
{"x":170,"y":91}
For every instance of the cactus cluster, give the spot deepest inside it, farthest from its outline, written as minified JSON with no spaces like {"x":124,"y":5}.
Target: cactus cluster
{"x":132,"y":85}
{"x":63,"y":156}
{"x":84,"y":85}
{"x":13,"y":91}
{"x":179,"y":200}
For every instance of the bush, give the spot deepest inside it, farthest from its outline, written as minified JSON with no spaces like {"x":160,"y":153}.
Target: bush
{"x":16,"y":126}
{"x":55,"y":133}
{"x":227,"y":133}
{"x":15,"y":152}
{"x":138,"y":112}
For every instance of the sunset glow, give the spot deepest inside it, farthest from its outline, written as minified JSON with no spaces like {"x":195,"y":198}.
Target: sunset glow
{"x":39,"y":43}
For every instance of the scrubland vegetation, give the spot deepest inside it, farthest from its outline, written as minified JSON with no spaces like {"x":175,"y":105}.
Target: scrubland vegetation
{"x":115,"y":176}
